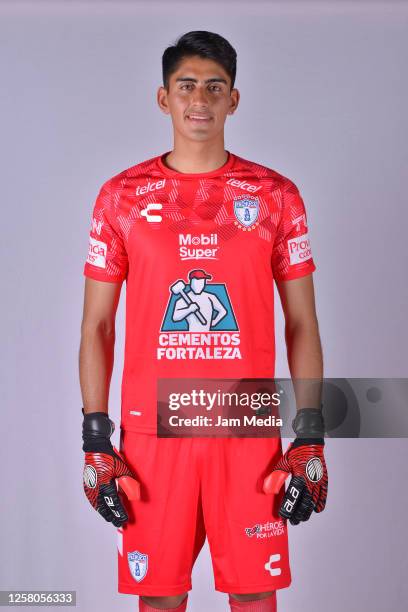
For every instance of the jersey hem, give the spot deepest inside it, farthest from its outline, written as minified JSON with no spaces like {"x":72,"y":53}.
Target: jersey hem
{"x":159,"y":591}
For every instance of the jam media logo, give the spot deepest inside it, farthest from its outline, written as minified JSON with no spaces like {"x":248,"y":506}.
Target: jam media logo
{"x":203,"y":246}
{"x":246,"y":210}
{"x":147,"y":212}
{"x":97,"y":253}
{"x":199,"y":306}
{"x":138,"y":565}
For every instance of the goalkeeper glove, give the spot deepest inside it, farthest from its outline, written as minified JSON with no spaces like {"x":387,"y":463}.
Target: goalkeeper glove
{"x":304,"y":460}
{"x":103,"y":464}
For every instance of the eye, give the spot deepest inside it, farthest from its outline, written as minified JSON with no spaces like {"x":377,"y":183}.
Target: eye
{"x":215,"y":88}
{"x":186,"y":85}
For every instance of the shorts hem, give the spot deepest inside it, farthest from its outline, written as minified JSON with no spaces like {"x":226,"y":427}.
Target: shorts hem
{"x":251,"y":588}
{"x":154,"y":591}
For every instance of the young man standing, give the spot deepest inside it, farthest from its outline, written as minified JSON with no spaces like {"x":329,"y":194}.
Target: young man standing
{"x":178,"y":227}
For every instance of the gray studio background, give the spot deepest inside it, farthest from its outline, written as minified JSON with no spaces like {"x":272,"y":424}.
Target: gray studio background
{"x":323,"y":101}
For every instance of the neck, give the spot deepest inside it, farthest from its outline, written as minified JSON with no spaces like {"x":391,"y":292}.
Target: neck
{"x":196,"y":157}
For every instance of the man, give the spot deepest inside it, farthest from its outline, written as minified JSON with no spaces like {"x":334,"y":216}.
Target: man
{"x":199,"y":234}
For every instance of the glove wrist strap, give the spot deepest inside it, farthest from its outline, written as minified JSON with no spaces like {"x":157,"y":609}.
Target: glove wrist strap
{"x":97,"y":429}
{"x":308,"y":426}
{"x":307,"y":442}
{"x":309,"y":423}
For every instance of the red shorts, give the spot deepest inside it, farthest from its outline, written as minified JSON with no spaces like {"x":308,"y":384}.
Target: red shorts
{"x":193,"y":487}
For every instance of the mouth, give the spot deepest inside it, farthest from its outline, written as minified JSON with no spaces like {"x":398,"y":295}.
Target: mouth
{"x":199,"y":119}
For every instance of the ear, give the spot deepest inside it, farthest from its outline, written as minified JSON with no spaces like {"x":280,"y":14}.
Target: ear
{"x":162,"y":100}
{"x":234,"y":101}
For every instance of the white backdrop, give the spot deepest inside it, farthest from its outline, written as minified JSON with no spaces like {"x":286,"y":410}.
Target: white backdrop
{"x":323,"y":101}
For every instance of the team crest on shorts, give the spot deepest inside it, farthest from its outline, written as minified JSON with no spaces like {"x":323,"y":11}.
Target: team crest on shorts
{"x":138,"y":565}
{"x":246,"y":210}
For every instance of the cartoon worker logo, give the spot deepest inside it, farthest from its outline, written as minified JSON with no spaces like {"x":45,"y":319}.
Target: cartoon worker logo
{"x":199,"y":305}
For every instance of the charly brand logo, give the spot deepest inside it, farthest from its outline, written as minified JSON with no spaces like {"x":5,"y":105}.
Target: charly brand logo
{"x":243,"y":185}
{"x":97,"y":253}
{"x":198,"y":247}
{"x":142,"y":190}
{"x":246,"y":210}
{"x":265,"y":530}
{"x":147,"y":212}
{"x":270,"y":566}
{"x":138,"y":565}
{"x":314,"y":469}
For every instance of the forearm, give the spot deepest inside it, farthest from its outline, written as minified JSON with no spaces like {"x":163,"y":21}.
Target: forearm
{"x":305,"y":361}
{"x":96,"y":357}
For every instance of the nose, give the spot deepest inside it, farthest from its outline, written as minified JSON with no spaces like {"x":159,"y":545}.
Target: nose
{"x":199,"y":96}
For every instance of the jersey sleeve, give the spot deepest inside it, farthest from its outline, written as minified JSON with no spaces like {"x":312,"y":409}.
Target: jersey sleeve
{"x":107,"y":257}
{"x":292,"y":254}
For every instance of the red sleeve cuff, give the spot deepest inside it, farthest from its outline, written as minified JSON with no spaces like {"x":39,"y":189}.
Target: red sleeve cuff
{"x":102,"y":276}
{"x":297,"y":273}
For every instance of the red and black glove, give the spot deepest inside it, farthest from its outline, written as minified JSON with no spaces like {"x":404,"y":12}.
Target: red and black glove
{"x":304,"y":460}
{"x":104,"y":464}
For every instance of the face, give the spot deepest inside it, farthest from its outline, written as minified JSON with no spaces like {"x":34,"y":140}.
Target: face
{"x":198,"y":99}
{"x":197,"y":284}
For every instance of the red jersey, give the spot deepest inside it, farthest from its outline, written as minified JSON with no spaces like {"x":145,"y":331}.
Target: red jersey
{"x":199,"y":253}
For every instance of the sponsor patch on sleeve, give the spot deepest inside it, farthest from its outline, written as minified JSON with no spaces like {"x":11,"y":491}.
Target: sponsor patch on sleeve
{"x":299,"y":249}
{"x":97,"y":253}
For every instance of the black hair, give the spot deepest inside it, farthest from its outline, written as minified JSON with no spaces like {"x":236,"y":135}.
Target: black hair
{"x":204,"y":44}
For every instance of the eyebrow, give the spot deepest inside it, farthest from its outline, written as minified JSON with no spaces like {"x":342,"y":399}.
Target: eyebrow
{"x":213,"y":80}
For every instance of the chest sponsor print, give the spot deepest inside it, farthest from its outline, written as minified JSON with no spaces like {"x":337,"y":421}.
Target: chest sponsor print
{"x":199,"y":321}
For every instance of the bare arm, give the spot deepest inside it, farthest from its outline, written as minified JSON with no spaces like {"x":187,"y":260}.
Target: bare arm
{"x":96,"y":353}
{"x":304,"y":349}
